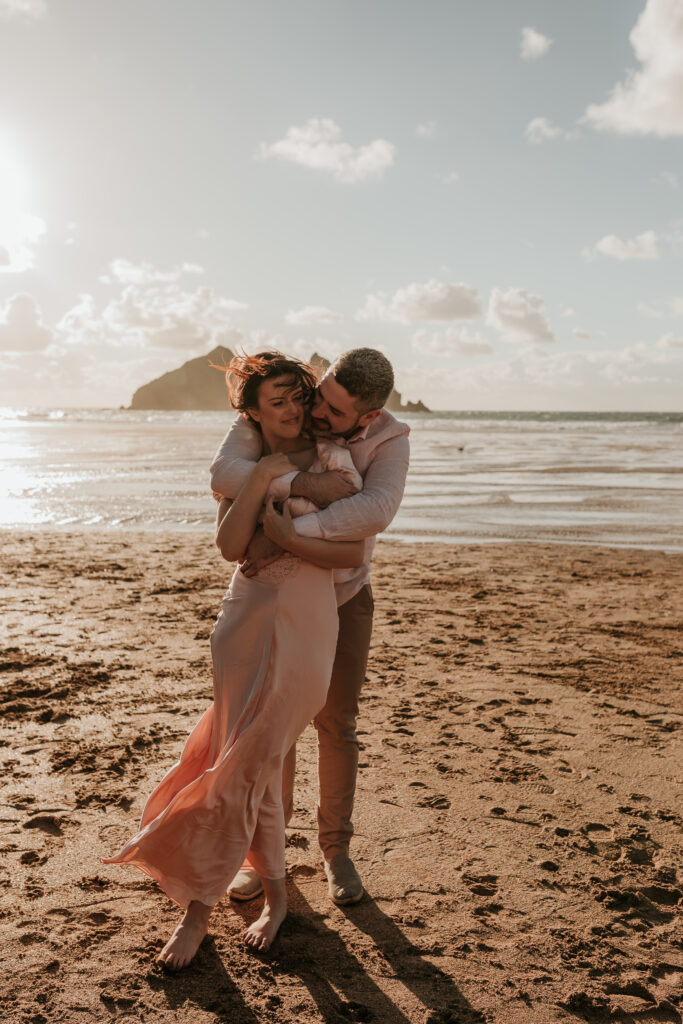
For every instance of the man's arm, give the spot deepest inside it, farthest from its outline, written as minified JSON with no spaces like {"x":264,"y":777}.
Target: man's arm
{"x":371,"y":510}
{"x":240,"y":450}
{"x":321,"y":488}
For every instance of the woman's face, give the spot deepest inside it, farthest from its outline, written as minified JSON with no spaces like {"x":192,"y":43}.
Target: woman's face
{"x":280,"y":409}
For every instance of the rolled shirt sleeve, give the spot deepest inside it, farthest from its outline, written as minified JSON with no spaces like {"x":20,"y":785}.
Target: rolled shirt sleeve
{"x":372,"y":509}
{"x":240,"y":449}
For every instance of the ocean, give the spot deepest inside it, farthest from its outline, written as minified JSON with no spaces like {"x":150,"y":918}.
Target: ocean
{"x":580,"y":478}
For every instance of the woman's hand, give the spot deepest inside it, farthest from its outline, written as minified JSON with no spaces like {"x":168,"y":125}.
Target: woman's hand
{"x":279,"y":528}
{"x":277,"y":464}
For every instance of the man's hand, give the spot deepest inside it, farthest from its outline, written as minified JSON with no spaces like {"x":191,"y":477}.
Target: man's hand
{"x":322,"y":488}
{"x":260,"y":552}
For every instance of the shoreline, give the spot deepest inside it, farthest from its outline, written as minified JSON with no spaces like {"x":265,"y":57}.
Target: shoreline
{"x":516,"y":816}
{"x":206,"y":530}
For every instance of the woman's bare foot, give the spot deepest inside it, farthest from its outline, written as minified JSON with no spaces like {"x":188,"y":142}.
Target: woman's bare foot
{"x":261,"y":933}
{"x":186,"y":939}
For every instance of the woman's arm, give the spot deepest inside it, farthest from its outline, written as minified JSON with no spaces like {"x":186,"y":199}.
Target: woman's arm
{"x":237,"y":520}
{"x":328,"y":554}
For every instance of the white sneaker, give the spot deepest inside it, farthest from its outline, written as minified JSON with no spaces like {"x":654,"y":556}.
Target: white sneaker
{"x":343,"y":880}
{"x":246,"y":885}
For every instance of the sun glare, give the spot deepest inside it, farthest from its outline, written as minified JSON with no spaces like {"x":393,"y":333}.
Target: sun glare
{"x":14,"y":183}
{"x":19,"y":228}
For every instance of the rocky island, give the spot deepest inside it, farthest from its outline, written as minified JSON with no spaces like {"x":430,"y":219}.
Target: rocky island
{"x":198,"y":385}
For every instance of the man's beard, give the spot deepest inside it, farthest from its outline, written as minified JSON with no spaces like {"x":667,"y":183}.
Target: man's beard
{"x":322,"y":428}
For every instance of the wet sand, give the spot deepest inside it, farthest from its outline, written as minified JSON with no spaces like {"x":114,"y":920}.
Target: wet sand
{"x":518,"y":813}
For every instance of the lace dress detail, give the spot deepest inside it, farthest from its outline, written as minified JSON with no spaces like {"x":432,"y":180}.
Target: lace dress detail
{"x":284,"y":566}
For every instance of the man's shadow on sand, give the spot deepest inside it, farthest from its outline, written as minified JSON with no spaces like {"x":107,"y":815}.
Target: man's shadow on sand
{"x":310,"y":950}
{"x":330,"y":966}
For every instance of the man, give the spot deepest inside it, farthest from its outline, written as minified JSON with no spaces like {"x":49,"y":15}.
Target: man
{"x":348,"y":407}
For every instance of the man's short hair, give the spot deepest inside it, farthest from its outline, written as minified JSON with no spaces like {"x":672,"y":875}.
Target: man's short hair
{"x":367,"y":375}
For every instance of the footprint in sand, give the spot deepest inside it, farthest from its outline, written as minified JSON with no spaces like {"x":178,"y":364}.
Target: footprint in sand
{"x":93,"y":883}
{"x":627,"y":1000}
{"x":595,"y":826}
{"x":99,"y":925}
{"x":47,"y":823}
{"x":639,"y":847}
{"x":481,"y":885}
{"x":59,"y":912}
{"x":437,"y":802}
{"x":33,"y":889}
{"x":297,"y":841}
{"x":488,"y":909}
{"x":641,"y":909}
{"x":29,"y":938}
{"x":31,"y":857}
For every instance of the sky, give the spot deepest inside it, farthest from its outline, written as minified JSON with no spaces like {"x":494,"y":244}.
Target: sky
{"x":489,"y":193}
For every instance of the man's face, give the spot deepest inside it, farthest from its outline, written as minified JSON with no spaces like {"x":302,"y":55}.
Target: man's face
{"x":334,"y":410}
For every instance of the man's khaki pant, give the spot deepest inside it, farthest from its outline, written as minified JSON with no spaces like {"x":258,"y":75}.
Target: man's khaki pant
{"x":336,"y":725}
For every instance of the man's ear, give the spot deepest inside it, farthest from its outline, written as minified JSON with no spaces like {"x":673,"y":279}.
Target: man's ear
{"x":368,"y":417}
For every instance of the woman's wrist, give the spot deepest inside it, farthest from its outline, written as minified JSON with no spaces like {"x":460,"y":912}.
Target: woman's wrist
{"x":262,"y":476}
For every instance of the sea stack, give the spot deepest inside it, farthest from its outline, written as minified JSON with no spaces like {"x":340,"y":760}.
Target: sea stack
{"x":196,"y":385}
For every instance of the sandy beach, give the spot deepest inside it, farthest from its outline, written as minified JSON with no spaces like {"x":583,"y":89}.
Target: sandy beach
{"x":518,"y":809}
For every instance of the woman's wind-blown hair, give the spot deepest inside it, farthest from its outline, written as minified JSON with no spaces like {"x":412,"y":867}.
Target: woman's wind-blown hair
{"x":244,"y":374}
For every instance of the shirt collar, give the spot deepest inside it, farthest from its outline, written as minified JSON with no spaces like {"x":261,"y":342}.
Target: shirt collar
{"x":360,"y":435}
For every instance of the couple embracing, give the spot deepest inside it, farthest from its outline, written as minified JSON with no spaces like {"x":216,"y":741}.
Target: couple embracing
{"x":307,"y":476}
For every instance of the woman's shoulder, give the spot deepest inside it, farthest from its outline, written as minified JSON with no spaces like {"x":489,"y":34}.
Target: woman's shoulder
{"x":327,"y":449}
{"x":333,"y":455}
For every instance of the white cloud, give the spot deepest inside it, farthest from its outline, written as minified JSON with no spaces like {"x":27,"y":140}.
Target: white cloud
{"x":32,"y":9}
{"x":670,"y":341}
{"x":304,"y":348}
{"x":542,"y":129}
{"x":519,"y":316}
{"x":581,"y":334}
{"x":257,"y":340}
{"x":21,"y":326}
{"x":318,"y":145}
{"x":642,"y":247}
{"x":433,"y":301}
{"x":645,"y":309}
{"x":311,"y":315}
{"x":677,"y":306}
{"x":568,"y":311}
{"x":666,"y":178}
{"x":127,"y":272}
{"x":650,"y":100}
{"x":638,"y":378}
{"x":533,"y":44}
{"x":152,"y":310}
{"x":450,"y":178}
{"x":451,"y":342}
{"x":425,"y":129}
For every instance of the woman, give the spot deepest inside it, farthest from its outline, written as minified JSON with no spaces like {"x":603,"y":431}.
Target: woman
{"x":221,"y":803}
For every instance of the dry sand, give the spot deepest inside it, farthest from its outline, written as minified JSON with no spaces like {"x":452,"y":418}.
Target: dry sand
{"x":518,"y":821}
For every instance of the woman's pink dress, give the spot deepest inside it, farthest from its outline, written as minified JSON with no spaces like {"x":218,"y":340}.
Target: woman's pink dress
{"x":220,"y":805}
